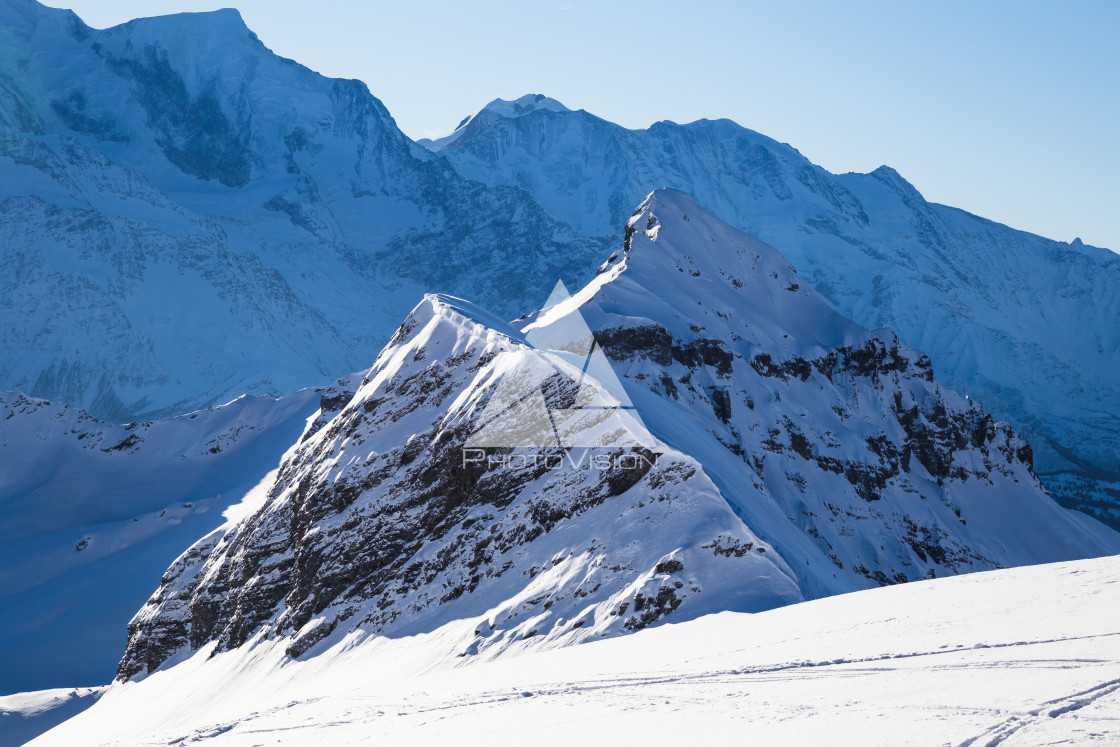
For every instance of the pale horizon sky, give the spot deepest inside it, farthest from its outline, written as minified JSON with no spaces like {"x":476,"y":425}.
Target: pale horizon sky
{"x":1009,"y":110}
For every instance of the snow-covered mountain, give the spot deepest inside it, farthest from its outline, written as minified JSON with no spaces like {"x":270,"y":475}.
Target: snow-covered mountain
{"x":91,"y":513}
{"x":493,"y":483}
{"x":186,"y":217}
{"x":1026,"y":325}
{"x":377,"y":523}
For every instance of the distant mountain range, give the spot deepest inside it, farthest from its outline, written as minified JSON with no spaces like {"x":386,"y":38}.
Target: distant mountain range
{"x":186,"y":217}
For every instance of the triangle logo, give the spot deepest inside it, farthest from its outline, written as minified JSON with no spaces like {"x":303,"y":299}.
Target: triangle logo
{"x":563,"y":392}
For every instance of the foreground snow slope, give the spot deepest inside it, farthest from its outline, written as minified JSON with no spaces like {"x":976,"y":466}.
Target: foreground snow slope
{"x":1017,"y":657}
{"x":91,"y":513}
{"x":24,"y":716}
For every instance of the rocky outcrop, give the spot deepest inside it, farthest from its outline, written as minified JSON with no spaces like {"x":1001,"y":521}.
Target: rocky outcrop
{"x":880,"y":474}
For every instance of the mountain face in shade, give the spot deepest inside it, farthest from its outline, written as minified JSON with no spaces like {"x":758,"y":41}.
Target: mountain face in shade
{"x":92,"y":512}
{"x":1023,"y":324}
{"x":739,"y":445}
{"x":187,"y":217}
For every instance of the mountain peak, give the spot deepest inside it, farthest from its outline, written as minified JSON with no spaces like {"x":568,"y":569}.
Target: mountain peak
{"x":530,"y":102}
{"x":209,"y":30}
{"x":896,"y":182}
{"x":687,"y":270}
{"x":458,"y":311}
{"x":665,"y":201}
{"x":205,"y":37}
{"x":26,"y":17}
{"x":221,"y":19}
{"x":495,"y":110}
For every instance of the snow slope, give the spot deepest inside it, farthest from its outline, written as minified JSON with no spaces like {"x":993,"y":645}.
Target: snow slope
{"x":1026,"y":325}
{"x":91,"y":513}
{"x":186,"y":217}
{"x":1024,"y":656}
{"x":790,"y":454}
{"x":26,"y":715}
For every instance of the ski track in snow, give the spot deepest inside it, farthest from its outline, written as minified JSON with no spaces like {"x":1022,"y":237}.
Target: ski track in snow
{"x":1003,"y":731}
{"x":422,"y":711}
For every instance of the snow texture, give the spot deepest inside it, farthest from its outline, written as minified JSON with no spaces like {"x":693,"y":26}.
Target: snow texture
{"x":1026,"y":656}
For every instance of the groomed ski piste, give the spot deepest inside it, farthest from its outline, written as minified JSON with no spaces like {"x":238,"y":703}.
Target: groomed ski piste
{"x":1024,"y":656}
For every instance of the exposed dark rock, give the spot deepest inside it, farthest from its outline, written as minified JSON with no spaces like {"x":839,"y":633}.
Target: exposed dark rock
{"x":672,"y":565}
{"x":650,"y":610}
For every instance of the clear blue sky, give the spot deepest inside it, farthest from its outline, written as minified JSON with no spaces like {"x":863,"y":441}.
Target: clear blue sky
{"x":1007,"y":109}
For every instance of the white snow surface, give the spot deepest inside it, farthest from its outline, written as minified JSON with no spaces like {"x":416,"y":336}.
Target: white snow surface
{"x":1025,"y":656}
{"x":26,"y":715}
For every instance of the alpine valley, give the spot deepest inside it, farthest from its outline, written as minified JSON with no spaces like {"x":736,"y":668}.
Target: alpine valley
{"x":680,"y":465}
